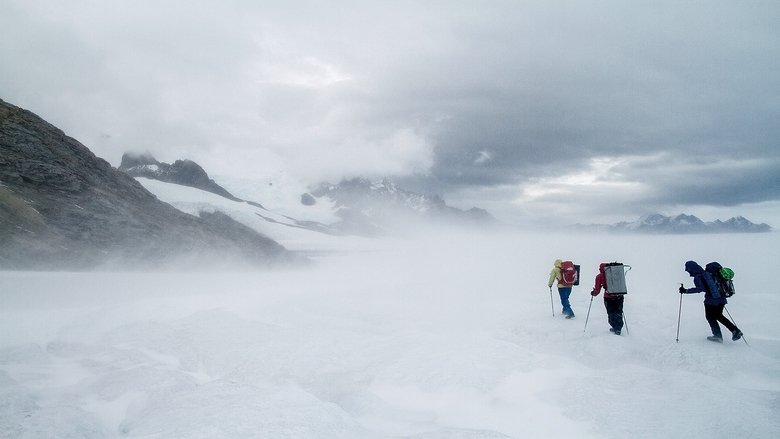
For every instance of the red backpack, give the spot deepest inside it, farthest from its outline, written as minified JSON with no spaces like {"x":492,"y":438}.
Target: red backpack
{"x":570,"y":275}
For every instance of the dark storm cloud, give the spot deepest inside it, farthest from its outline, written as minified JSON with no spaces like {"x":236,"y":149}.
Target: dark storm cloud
{"x":707,"y":179}
{"x":682,"y":80}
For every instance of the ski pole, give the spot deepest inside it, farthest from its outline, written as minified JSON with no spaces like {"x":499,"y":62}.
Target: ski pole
{"x":552,"y":307}
{"x":735,"y":323}
{"x":679,"y":313}
{"x":588,"y":316}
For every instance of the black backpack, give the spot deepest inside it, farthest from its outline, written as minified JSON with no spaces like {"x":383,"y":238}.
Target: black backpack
{"x":723,"y":277}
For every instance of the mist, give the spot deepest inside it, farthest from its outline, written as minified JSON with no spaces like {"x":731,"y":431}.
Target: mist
{"x":438,"y":335}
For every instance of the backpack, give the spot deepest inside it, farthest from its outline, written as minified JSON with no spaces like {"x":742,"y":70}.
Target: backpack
{"x":711,"y":285}
{"x":615,"y":277}
{"x":722,"y":277}
{"x":724,"y":281}
{"x":570,"y":273}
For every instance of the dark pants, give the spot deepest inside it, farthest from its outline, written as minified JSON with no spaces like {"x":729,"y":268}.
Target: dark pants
{"x":614,"y":307}
{"x":714,"y":314}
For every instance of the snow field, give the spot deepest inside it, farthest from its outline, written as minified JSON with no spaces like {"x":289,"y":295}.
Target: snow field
{"x":274,"y":224}
{"x":442,"y":336}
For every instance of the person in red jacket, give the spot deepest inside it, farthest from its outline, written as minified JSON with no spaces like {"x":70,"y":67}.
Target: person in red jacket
{"x":613,"y":302}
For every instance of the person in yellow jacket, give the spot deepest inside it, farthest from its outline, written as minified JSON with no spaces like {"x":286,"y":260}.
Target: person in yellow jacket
{"x":564,"y":291}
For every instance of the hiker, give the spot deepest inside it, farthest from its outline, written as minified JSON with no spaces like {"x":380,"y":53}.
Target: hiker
{"x":714,"y":301}
{"x":564,"y":288}
{"x":612,"y":302}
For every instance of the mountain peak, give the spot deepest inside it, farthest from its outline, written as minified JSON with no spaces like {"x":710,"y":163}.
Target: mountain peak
{"x":680,"y":224}
{"x":184,"y":172}
{"x":131,"y":160}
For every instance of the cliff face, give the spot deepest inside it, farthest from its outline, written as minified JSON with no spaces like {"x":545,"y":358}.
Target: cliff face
{"x":63,"y":207}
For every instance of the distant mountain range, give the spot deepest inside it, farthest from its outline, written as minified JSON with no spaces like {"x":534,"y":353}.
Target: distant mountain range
{"x":679,"y":224}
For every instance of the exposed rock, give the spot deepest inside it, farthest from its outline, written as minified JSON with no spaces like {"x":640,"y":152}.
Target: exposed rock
{"x":308,"y":200}
{"x":183,"y":172}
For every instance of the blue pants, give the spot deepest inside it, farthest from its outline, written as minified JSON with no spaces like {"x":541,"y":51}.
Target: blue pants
{"x":565,"y":292}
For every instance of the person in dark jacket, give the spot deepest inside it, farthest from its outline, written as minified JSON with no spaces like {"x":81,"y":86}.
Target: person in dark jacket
{"x":713,"y":301}
{"x":613,"y":302}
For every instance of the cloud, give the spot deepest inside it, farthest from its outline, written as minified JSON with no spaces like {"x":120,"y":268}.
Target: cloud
{"x":502,"y":100}
{"x":707,"y":180}
{"x":484,"y":157}
{"x":612,"y":189}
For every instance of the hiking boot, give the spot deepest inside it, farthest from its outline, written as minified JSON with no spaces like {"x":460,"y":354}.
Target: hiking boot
{"x":715,"y":339}
{"x":569,"y":316}
{"x":614,"y":331}
{"x":736,"y":334}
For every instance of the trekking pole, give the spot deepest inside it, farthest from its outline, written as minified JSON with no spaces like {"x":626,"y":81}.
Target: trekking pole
{"x":552,"y":307}
{"x":625,"y":323}
{"x":588,"y":316}
{"x":735,"y":323}
{"x":679,"y":313}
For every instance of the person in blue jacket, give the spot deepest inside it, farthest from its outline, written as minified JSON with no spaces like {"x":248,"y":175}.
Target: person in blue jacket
{"x":713,"y":302}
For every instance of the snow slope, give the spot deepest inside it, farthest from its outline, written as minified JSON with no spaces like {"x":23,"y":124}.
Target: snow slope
{"x":441,"y":336}
{"x":272,"y":223}
{"x":280,"y":193}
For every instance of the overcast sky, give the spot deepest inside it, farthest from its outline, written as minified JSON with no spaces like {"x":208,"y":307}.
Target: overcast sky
{"x":580,"y":111}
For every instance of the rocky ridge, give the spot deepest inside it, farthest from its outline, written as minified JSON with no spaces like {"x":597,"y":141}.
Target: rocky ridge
{"x":183,"y":172}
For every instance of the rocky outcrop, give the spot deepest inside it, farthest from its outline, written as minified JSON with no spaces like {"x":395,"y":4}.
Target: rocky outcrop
{"x":183,"y":172}
{"x":61,"y":207}
{"x":308,"y":200}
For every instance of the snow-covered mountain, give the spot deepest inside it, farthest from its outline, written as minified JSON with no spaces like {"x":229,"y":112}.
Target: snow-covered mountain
{"x":189,"y":175}
{"x":352,"y":207}
{"x":739,"y":224}
{"x":376,"y":206}
{"x":309,"y":237}
{"x":682,"y":223}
